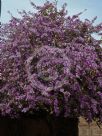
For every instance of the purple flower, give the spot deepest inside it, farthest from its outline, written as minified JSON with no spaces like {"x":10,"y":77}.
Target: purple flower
{"x":50,"y":61}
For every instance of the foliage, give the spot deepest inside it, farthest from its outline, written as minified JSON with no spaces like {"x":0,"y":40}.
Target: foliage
{"x":50,"y":61}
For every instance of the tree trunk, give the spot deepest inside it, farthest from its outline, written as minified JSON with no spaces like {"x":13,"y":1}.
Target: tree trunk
{"x":38,"y":127}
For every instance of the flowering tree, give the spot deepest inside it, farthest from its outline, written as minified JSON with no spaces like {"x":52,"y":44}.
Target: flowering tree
{"x":50,"y":61}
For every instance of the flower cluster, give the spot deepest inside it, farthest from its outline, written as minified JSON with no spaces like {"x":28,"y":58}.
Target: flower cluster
{"x":50,"y":61}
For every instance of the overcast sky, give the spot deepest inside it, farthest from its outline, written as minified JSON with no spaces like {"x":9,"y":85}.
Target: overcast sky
{"x":94,"y":7}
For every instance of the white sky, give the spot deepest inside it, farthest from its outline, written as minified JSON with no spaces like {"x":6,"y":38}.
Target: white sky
{"x":94,"y":7}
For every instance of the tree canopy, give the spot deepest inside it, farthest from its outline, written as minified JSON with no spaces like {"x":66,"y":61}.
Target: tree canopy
{"x":50,"y":61}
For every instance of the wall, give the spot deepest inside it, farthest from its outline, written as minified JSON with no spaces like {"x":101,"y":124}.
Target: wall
{"x":89,"y":130}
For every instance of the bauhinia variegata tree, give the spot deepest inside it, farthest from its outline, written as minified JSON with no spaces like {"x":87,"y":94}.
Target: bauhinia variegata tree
{"x":50,"y":61}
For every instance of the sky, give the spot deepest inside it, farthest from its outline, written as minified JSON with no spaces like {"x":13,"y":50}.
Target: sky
{"x":93,"y":7}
